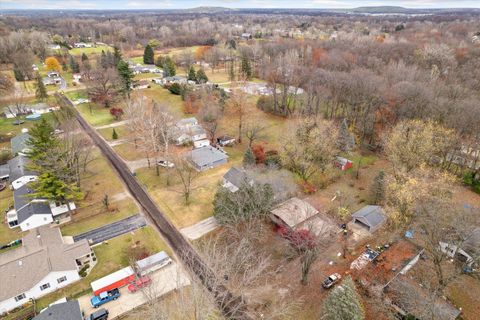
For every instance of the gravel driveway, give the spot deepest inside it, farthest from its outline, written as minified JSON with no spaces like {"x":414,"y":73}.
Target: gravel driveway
{"x":112,"y":230}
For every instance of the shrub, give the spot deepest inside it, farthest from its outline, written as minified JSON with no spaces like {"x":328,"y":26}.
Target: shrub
{"x":308,"y":188}
{"x":470,"y":180}
{"x":259,"y":153}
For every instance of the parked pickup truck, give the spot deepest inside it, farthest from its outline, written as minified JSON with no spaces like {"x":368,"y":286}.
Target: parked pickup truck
{"x":139,"y":283}
{"x":331,"y":280}
{"x":104,"y":297}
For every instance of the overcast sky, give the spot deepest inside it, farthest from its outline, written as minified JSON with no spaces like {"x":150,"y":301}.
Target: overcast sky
{"x":174,"y":4}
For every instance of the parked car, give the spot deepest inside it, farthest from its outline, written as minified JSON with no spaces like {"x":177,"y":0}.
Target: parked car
{"x":104,"y":297}
{"x":100,"y":314}
{"x":165,"y":163}
{"x":139,"y":283}
{"x":331,"y":280}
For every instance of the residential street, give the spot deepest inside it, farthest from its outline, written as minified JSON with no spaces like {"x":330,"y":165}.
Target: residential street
{"x":112,"y":230}
{"x":163,"y":281}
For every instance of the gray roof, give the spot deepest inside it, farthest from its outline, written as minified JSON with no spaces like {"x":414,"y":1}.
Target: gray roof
{"x":25,"y":207}
{"x":69,"y":310}
{"x":19,"y":142}
{"x":18,"y":168}
{"x":187,"y":121}
{"x":4,"y":171}
{"x":206,"y":155}
{"x":236,"y":176}
{"x":370,"y":215}
{"x":196,"y":129}
{"x":42,"y":251}
{"x":152,"y":260}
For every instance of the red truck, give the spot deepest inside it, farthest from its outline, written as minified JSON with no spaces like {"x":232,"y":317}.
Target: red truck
{"x":139,"y":283}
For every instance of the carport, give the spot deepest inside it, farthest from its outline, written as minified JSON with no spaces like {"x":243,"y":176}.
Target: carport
{"x":369,"y":217}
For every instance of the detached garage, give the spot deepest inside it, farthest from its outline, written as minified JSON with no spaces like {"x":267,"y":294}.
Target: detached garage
{"x":370,"y":217}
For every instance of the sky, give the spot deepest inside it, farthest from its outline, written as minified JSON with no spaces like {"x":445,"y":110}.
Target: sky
{"x":182,"y":4}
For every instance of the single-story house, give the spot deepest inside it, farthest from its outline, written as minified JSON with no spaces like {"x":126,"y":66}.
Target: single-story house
{"x":53,"y":74}
{"x":39,"y":108}
{"x":19,"y":175}
{"x":467,"y":251}
{"x":174,"y":79}
{"x":54,"y":47}
{"x":29,"y":212}
{"x":370,"y":217}
{"x":82,"y":45}
{"x":190,"y":133}
{"x":69,"y":310}
{"x":19,"y":144}
{"x":235,"y":178}
{"x":225,"y":140}
{"x":292,"y":213}
{"x":207,"y":158}
{"x":52,"y":81}
{"x":246,"y":36}
{"x":343,"y":163}
{"x":43,"y":264}
{"x":201,"y":143}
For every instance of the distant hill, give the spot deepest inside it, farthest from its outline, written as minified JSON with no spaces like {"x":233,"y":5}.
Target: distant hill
{"x":207,"y":9}
{"x":381,"y":9}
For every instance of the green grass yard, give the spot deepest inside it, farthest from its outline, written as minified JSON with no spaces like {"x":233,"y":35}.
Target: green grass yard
{"x":8,"y":129}
{"x":95,"y":115}
{"x":89,"y":51}
{"x":160,"y":95}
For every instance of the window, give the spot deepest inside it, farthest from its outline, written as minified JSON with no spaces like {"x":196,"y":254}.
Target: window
{"x":62,"y":279}
{"x":20,"y":297}
{"x":45,"y":286}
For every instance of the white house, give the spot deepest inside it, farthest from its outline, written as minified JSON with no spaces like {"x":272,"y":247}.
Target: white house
{"x":201,"y":143}
{"x":19,"y":175}
{"x":42,"y":265}
{"x":82,"y":45}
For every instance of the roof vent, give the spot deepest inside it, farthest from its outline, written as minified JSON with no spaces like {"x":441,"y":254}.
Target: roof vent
{"x":24,"y":130}
{"x":20,"y":262}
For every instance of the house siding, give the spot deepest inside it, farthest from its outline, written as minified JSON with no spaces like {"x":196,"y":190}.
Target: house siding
{"x":35,"y":292}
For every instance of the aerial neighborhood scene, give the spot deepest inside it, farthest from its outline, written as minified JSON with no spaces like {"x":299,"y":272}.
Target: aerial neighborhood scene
{"x":240,"y":160}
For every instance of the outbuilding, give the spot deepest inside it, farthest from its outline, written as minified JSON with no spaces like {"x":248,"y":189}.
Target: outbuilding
{"x":292,"y":213}
{"x":207,"y":157}
{"x":153,"y":263}
{"x":370,"y":217}
{"x":114,"y":280}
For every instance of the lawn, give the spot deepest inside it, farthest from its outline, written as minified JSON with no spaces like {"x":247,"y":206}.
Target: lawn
{"x":118,"y":211}
{"x":75,"y":95}
{"x":95,"y":115}
{"x":163,"y":96}
{"x":465,"y":293}
{"x":7,"y":128}
{"x":89,"y":51}
{"x":122,"y":131}
{"x":111,"y":256}
{"x":142,"y":76}
{"x":128,"y":152}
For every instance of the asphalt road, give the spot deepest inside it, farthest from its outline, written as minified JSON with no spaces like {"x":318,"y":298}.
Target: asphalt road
{"x":232,"y":307}
{"x":112,"y":230}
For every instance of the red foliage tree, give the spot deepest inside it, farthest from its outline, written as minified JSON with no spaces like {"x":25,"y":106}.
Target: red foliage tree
{"x":259,"y":152}
{"x":301,"y":240}
{"x":117,"y":113}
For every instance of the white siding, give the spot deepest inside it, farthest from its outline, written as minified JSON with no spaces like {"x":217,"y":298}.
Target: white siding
{"x":35,"y":221}
{"x":35,"y":292}
{"x":20,"y":182}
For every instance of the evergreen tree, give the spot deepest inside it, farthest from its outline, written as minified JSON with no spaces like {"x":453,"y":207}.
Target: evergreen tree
{"x":19,"y":76}
{"x":160,"y":62}
{"x":114,"y":134}
{"x":40,"y":91}
{"x":169,"y":68}
{"x":201,"y":76}
{"x":103,"y":60}
{"x":377,"y":189}
{"x":246,"y":68}
{"x":192,"y":75}
{"x":148,"y":55}
{"x":74,"y":66}
{"x":346,"y":141}
{"x":231,"y":74}
{"x":42,"y":143}
{"x":117,"y":55}
{"x":84,"y":57}
{"x":127,"y":76}
{"x":248,"y":158}
{"x":343,"y":303}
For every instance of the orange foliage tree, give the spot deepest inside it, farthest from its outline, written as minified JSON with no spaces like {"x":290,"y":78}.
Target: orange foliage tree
{"x":200,"y":52}
{"x":52,"y":64}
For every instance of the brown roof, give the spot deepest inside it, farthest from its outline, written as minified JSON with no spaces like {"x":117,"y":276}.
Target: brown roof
{"x":294,"y":211}
{"x":42,"y":252}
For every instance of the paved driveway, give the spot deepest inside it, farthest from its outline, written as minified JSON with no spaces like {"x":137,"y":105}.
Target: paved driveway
{"x":199,"y":229}
{"x":163,"y":281}
{"x":112,"y":230}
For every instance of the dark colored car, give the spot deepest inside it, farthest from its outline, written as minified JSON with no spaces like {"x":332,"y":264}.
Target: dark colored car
{"x":101,"y":314}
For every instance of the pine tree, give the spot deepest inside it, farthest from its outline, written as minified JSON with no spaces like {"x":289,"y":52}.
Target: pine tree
{"x":74,"y":66}
{"x":246,"y":68}
{"x":231,"y":74}
{"x":192,"y":75}
{"x":114,"y":134}
{"x":248,"y":158}
{"x":117,"y":55}
{"x":201,"y":76}
{"x":346,"y":141}
{"x":84,"y":57}
{"x":40,"y":91}
{"x":169,"y":68}
{"x":148,"y":55}
{"x":343,"y":303}
{"x":103,"y":60}
{"x":127,"y":76}
{"x":42,"y":143}
{"x":377,"y":189}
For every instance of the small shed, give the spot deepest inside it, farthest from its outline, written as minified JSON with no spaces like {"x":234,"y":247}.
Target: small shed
{"x":153,"y":263}
{"x":292,"y":213}
{"x":370,"y":217}
{"x":343,"y":163}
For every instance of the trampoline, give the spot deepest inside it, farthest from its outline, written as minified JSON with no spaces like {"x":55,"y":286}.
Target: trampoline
{"x":33,"y":117}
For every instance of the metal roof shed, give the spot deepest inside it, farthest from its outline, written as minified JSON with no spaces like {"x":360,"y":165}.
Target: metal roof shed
{"x":153,"y":262}
{"x":371,"y":217}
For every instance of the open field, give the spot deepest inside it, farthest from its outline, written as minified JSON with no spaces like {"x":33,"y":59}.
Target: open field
{"x":95,"y":115}
{"x":90,"y":51}
{"x":162,"y":96}
{"x":122,"y":131}
{"x":111,"y":256}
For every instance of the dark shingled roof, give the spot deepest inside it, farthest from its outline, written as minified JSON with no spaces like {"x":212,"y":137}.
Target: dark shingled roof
{"x":235,"y":176}
{"x":370,"y":215}
{"x":69,"y":310}
{"x":19,"y":142}
{"x":18,"y":168}
{"x":24,"y":205}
